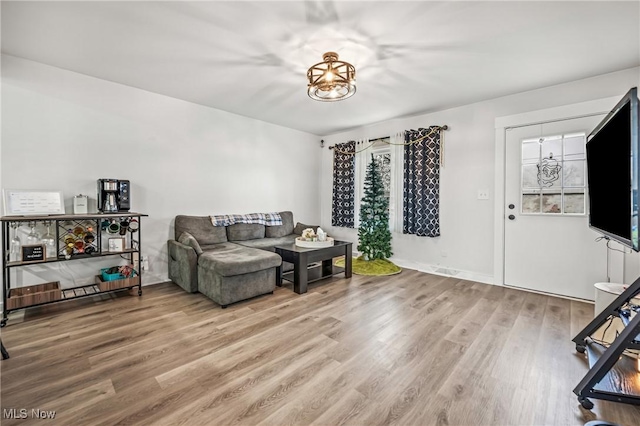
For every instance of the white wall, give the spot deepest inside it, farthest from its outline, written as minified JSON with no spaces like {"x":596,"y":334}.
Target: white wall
{"x":59,"y":128}
{"x":465,"y":247}
{"x":63,"y":130}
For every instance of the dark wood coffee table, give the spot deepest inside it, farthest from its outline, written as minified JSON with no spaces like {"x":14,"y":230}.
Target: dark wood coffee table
{"x":301,"y":257}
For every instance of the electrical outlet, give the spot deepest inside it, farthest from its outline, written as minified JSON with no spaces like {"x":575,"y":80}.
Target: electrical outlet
{"x":483,"y":194}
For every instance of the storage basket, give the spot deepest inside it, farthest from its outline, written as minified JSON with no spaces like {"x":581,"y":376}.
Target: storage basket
{"x":116,"y":284}
{"x":115,"y":276}
{"x":23,"y":297}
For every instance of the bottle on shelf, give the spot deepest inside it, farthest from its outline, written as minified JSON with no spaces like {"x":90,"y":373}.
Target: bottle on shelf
{"x":79,"y":232}
{"x":69,"y":244}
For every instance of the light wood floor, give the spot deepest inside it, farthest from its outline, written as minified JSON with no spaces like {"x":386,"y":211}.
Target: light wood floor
{"x":413,"y":349}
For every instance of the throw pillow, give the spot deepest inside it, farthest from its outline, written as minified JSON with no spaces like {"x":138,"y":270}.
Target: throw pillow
{"x":301,"y":227}
{"x":281,"y":230}
{"x":189,"y":240}
{"x":201,"y":228}
{"x":245,"y":231}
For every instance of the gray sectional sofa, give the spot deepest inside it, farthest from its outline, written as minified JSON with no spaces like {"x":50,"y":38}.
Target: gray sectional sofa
{"x":228,"y":263}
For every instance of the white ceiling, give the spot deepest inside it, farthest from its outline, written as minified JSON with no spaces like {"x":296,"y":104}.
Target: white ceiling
{"x":251,"y":57}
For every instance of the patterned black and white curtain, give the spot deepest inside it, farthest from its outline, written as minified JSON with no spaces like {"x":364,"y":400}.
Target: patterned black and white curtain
{"x":421,"y":196}
{"x":344,"y":161}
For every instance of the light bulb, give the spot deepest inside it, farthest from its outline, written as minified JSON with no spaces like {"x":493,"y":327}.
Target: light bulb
{"x":329,"y":76}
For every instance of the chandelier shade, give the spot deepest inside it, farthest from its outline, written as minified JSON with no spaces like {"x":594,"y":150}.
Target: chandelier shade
{"x":331,"y":80}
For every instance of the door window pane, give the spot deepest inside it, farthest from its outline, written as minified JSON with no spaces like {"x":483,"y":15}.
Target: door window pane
{"x":552,"y":148}
{"x":530,"y":176}
{"x":574,"y":202}
{"x":530,"y":151}
{"x":531,"y":203}
{"x":552,"y":203}
{"x":549,"y":175}
{"x":574,"y":147}
{"x":574,"y":173}
{"x":553,"y":174}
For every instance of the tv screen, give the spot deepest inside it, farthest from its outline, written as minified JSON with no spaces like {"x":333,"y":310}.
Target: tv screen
{"x":612,"y":173}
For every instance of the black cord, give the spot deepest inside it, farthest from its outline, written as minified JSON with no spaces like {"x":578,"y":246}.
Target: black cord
{"x":605,"y":330}
{"x":608,"y":246}
{"x":621,"y":251}
{"x":631,"y":352}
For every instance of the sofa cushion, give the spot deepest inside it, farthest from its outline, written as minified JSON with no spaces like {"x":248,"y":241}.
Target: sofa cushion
{"x":245,"y":231}
{"x":201,"y":228}
{"x":230,"y":259}
{"x":269,"y":243}
{"x":301,"y":227}
{"x":281,"y":230}
{"x":189,"y":240}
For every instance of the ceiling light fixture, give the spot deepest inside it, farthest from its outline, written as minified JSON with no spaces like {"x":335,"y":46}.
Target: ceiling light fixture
{"x":331,"y":80}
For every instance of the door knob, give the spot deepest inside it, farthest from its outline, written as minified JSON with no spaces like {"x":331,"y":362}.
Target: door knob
{"x":512,"y":217}
{"x":511,"y":207}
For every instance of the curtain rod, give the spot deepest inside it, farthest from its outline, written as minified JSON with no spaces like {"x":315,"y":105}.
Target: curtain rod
{"x":445,"y":127}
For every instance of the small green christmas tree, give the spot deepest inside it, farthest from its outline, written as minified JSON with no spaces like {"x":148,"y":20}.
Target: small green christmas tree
{"x":373,"y":234}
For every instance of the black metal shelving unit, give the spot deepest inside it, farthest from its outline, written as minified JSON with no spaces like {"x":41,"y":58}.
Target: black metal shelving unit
{"x":64,"y":226}
{"x":612,"y":375}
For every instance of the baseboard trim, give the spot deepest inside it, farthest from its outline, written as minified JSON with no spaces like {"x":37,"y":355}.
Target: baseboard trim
{"x":474,"y":276}
{"x":561,"y":296}
{"x":445,"y":271}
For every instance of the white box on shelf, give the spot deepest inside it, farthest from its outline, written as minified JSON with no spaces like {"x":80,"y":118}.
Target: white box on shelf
{"x":116,"y":244}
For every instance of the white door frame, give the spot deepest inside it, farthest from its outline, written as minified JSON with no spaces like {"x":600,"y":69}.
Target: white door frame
{"x":566,"y":112}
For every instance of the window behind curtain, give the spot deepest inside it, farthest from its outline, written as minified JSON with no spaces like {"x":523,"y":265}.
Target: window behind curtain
{"x":382,"y":154}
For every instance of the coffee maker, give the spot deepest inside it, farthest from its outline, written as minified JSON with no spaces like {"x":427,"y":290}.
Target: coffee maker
{"x":114,"y":195}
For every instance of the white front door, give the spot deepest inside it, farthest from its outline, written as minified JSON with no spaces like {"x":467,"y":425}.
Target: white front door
{"x":549,"y":246}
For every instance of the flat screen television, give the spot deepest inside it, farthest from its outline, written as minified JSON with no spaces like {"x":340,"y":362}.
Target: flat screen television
{"x":613,"y":160}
